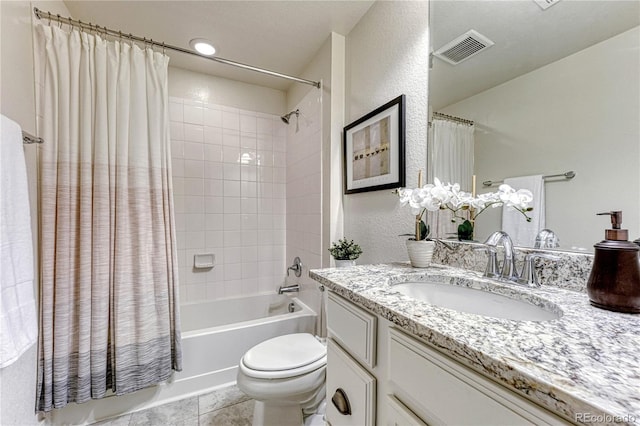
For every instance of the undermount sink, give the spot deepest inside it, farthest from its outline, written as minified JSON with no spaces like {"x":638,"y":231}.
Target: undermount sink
{"x":474,"y":301}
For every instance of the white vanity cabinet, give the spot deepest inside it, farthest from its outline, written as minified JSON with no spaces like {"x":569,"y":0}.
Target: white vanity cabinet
{"x":393,"y":378}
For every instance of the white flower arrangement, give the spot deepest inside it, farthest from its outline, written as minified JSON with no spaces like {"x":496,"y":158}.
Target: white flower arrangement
{"x":438,"y":196}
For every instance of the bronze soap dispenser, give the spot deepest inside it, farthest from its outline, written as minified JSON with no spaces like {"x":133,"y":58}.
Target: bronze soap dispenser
{"x":614,"y":283}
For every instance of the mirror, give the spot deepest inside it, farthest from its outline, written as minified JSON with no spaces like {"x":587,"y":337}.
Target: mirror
{"x":558,"y":91}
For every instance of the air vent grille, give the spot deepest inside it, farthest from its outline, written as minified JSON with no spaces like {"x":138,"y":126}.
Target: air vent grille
{"x":462,"y":48}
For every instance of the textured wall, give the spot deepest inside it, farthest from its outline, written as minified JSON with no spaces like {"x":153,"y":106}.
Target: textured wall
{"x":388,"y":55}
{"x":579,"y":113}
{"x":18,"y":381}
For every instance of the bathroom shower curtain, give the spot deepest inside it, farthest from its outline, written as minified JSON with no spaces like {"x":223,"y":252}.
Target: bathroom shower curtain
{"x":451,"y":160}
{"x":108,"y":266}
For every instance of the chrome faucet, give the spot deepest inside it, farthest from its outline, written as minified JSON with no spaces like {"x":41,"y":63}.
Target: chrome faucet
{"x":547,"y":239}
{"x":509,"y":271}
{"x":289,"y":289}
{"x":528,"y":276}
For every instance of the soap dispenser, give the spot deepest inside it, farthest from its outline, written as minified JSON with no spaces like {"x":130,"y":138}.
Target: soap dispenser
{"x":614,"y":282}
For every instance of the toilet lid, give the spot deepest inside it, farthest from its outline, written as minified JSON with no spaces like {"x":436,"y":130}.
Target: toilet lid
{"x":285,"y":353}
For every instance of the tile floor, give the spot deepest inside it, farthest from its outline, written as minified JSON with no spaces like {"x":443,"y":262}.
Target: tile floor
{"x":224,"y":407}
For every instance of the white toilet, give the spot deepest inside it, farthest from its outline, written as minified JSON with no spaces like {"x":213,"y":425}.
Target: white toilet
{"x":286,"y":377}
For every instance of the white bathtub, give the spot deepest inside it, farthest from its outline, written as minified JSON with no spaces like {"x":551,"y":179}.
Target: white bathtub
{"x":215,"y":335}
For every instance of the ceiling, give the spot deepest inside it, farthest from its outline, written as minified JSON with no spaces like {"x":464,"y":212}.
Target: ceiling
{"x":281,"y":36}
{"x":526,"y":38}
{"x":284,"y":36}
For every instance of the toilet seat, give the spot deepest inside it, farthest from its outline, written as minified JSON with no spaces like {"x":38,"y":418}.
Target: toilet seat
{"x":284,"y":356}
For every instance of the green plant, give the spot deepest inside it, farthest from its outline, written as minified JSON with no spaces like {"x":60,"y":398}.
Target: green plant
{"x":345,"y":250}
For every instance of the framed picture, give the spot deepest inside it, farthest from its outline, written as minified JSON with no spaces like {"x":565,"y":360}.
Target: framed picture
{"x":374,"y":149}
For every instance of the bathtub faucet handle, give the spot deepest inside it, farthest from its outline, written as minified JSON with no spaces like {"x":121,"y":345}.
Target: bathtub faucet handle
{"x":296,"y":267}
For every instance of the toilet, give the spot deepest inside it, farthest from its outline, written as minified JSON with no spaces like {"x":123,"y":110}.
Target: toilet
{"x":286,"y":377}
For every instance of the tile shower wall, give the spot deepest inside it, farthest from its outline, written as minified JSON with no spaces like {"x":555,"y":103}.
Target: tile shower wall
{"x":229,"y":179}
{"x":304,"y":193}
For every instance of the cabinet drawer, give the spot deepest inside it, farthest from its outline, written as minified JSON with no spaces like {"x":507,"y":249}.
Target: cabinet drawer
{"x":353,"y":327}
{"x":356,"y":385}
{"x":436,"y":388}
{"x":400,"y":415}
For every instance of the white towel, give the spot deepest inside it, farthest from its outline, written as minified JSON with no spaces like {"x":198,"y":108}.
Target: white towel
{"x":18,"y":323}
{"x":524,"y":233}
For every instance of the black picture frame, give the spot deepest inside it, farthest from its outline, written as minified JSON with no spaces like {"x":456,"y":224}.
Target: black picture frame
{"x":374,"y":149}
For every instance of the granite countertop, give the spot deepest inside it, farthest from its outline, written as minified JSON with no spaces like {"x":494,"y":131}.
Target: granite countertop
{"x":584,"y":365}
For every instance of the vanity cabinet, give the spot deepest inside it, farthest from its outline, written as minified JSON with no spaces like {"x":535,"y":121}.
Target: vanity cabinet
{"x":397,"y":379}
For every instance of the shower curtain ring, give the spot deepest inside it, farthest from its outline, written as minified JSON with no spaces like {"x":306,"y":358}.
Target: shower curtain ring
{"x":163,"y":51}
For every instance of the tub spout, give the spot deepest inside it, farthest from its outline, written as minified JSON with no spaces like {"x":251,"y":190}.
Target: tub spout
{"x":289,"y":289}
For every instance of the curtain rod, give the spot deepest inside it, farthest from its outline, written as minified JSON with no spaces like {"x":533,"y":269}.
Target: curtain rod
{"x":567,"y":175}
{"x":452,"y":118}
{"x":104,"y":30}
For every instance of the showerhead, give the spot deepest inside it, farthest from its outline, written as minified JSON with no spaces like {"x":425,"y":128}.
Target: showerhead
{"x":285,"y":118}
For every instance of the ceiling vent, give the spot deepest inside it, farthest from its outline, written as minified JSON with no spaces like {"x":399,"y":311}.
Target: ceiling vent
{"x":546,"y":4}
{"x":462,"y":48}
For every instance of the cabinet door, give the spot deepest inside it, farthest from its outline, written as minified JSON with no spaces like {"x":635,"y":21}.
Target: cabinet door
{"x":351,"y":390}
{"x":353,"y":327}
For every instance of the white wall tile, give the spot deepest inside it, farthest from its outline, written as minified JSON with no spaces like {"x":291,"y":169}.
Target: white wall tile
{"x":230,"y":120}
{"x":214,"y":221}
{"x":213,"y":135}
{"x":230,"y":138}
{"x":193,"y":114}
{"x":193,"y":151}
{"x":213,"y":170}
{"x":176,"y":111}
{"x":265,"y":126}
{"x":176,"y":131}
{"x":193,"y":186}
{"x":222,"y":172}
{"x":232,"y":205}
{"x":214,"y":205}
{"x":231,"y":154}
{"x":214,"y":187}
{"x":213,"y":116}
{"x":194,"y":169}
{"x":213,"y":153}
{"x":193,"y":133}
{"x":231,"y":188}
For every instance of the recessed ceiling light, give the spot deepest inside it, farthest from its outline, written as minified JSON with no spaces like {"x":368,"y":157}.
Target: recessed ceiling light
{"x":202,"y":46}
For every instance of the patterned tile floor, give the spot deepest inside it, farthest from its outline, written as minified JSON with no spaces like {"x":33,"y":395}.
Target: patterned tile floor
{"x":225,"y":407}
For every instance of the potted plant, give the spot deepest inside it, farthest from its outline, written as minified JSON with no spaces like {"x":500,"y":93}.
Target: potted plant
{"x":437,"y":196}
{"x":420,"y":247}
{"x":345,"y":252}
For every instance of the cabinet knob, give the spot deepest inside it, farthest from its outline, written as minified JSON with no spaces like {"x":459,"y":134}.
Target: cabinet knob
{"x":341,"y":402}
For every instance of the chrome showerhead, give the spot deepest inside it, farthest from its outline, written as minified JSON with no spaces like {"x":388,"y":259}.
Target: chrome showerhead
{"x":285,"y":118}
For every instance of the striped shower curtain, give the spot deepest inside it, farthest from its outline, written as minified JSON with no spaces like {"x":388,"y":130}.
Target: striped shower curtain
{"x":108,"y":266}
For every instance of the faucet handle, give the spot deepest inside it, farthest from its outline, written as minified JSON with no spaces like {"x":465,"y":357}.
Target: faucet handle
{"x":296,"y":267}
{"x":529,"y":276}
{"x":491,"y":271}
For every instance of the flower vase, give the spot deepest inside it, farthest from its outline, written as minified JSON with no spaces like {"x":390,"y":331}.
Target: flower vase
{"x":345,"y":263}
{"x":420,"y":253}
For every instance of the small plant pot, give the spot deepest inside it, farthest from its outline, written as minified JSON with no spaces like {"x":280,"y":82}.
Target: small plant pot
{"x":420,"y":253}
{"x":345,"y":263}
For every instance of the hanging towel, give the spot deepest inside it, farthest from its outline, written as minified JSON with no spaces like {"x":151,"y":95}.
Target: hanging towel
{"x":524,"y":233}
{"x":18,"y":324}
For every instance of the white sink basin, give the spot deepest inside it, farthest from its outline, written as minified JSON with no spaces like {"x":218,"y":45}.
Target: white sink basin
{"x":473,"y":301}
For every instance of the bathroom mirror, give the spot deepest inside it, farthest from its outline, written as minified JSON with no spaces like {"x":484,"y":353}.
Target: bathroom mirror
{"x":558,"y":91}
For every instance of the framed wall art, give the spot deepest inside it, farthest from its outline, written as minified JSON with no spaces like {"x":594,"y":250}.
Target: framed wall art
{"x":374,"y":148}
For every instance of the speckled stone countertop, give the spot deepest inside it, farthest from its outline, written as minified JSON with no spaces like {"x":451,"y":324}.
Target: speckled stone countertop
{"x":585,"y":365}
